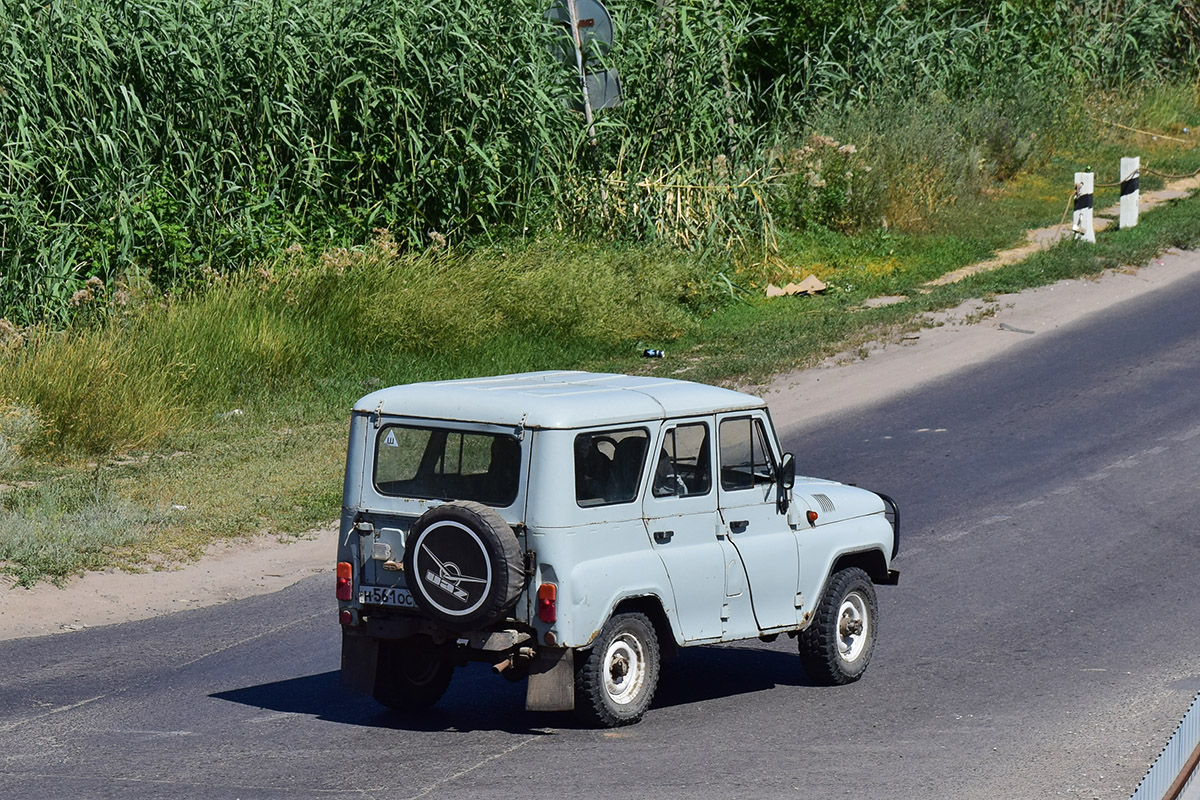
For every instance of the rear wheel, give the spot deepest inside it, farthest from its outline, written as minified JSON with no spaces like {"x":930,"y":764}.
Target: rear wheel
{"x":410,"y":678}
{"x":836,"y":648}
{"x":615,"y":680}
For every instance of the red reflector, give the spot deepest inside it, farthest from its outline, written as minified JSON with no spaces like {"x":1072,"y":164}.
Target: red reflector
{"x":346,"y":617}
{"x":812,"y":517}
{"x":547,"y":604}
{"x":345,"y":581}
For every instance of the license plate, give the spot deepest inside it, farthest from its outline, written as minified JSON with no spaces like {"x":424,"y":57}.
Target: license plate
{"x":385,"y":596}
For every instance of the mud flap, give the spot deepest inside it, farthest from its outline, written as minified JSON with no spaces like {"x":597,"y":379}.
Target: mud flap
{"x":551,"y":681}
{"x":360,"y":654}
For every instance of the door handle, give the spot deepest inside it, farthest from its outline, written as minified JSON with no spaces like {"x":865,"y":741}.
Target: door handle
{"x":662,"y":537}
{"x":739,"y":525}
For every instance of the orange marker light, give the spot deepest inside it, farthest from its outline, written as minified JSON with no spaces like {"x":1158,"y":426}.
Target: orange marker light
{"x":812,"y":517}
{"x":345,"y":581}
{"x":547,"y":602}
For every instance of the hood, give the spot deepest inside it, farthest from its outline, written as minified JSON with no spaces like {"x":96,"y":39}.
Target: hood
{"x":835,"y":501}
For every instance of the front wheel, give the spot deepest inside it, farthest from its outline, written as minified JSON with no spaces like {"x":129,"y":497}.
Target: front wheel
{"x":836,"y":648}
{"x":616,"y":679}
{"x":410,"y":678}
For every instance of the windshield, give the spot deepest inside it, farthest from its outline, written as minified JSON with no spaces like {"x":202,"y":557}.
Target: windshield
{"x":442,"y":464}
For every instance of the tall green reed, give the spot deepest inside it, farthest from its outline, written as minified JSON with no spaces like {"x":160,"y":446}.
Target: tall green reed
{"x":159,"y":136}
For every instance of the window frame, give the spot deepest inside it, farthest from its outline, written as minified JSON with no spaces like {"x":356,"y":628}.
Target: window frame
{"x":512,"y":493}
{"x":759,"y":425}
{"x":641,"y":473}
{"x":669,"y":432}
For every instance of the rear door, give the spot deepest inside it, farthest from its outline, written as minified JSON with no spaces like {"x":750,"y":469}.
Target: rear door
{"x":747,"y":500}
{"x":680,"y":508}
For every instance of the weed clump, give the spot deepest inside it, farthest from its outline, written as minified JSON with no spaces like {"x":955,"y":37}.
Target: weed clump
{"x":65,"y":526}
{"x":828,"y":184}
{"x":20,"y":429}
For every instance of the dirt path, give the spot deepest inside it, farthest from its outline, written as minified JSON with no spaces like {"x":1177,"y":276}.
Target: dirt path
{"x":962,"y":336}
{"x":229,"y":571}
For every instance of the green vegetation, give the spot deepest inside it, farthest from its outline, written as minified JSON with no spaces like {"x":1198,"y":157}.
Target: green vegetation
{"x":221,"y":223}
{"x":154,"y":140}
{"x":158,"y":138}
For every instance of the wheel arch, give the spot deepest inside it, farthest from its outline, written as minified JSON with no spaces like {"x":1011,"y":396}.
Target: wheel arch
{"x":872,"y":562}
{"x":652,"y":607}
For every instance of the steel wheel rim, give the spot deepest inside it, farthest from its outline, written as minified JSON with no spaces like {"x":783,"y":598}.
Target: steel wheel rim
{"x":624,"y":669}
{"x":853,"y":627}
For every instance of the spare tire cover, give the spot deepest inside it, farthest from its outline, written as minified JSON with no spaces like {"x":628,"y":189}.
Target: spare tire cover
{"x":463,"y":564}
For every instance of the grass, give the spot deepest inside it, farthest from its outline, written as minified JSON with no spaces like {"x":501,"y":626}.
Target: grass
{"x":68,"y":523}
{"x":276,"y":466}
{"x":156,"y":422}
{"x":158,"y":140}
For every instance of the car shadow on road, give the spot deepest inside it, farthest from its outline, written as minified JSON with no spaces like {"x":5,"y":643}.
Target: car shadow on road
{"x":709,"y":673}
{"x":478,"y":700}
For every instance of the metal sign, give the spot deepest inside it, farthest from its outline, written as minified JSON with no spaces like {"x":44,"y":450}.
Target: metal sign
{"x":588,"y":37}
{"x":595,"y":27}
{"x":603,"y":90}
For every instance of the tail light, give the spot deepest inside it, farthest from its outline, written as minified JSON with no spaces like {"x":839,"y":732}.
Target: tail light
{"x":547,"y":605}
{"x":345,"y":581}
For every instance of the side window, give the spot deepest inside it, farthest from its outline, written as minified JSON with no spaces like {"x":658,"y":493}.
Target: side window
{"x":746,"y":459}
{"x":684,"y":463}
{"x":608,"y":466}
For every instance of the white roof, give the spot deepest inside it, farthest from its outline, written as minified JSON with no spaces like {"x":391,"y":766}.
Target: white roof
{"x":555,"y":399}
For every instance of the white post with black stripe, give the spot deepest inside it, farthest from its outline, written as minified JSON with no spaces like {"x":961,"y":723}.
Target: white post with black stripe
{"x":1131,"y":169}
{"x":1081,"y":222}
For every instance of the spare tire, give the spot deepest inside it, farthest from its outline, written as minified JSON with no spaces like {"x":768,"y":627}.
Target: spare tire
{"x":463,"y":564}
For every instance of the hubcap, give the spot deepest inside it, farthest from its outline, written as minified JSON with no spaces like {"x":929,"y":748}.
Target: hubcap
{"x":853,"y":626}
{"x":624,"y":669}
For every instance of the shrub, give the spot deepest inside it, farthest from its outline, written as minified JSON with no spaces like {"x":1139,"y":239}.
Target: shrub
{"x":826,"y":183}
{"x":20,"y":429}
{"x":64,"y":526}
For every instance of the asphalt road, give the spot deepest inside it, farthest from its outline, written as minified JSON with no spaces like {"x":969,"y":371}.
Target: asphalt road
{"x":1043,"y":640}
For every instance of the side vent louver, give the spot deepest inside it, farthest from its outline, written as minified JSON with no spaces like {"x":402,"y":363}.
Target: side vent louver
{"x":825,"y":503}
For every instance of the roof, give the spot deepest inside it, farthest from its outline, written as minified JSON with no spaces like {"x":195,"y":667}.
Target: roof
{"x":555,"y":399}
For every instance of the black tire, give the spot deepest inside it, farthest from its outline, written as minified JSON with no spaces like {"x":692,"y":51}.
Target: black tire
{"x":463,"y":565}
{"x":409,"y":677}
{"x":836,"y":648}
{"x":615,"y":680}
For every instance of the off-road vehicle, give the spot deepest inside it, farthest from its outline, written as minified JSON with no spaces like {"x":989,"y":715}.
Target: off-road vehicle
{"x":572,"y":529}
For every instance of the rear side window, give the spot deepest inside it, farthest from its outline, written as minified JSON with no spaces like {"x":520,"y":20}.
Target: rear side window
{"x":441,"y":464}
{"x":608,"y":466}
{"x":746,"y":458}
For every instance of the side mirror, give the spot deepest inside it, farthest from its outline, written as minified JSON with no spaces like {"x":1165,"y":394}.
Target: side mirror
{"x":785,"y":478}
{"x":787,"y":472}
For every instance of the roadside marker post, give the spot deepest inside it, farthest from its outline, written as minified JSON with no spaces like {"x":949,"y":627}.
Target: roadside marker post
{"x":1130,"y":173}
{"x":1081,"y":222}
